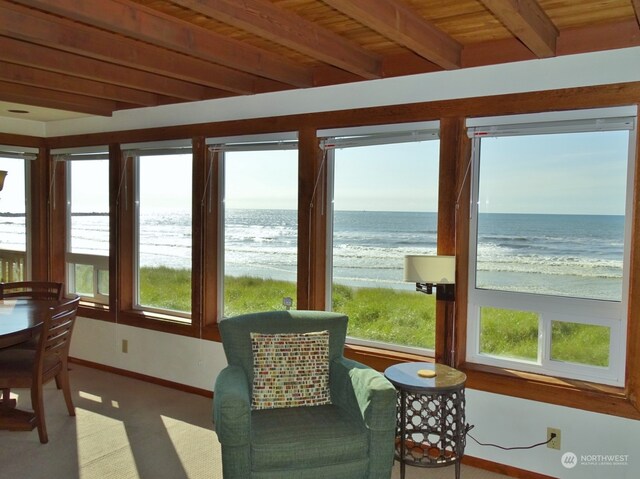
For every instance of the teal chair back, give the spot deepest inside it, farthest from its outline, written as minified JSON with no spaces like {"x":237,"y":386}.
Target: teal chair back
{"x":236,"y":331}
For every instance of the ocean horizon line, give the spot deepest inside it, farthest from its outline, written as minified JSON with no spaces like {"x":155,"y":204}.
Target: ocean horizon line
{"x":98,"y":213}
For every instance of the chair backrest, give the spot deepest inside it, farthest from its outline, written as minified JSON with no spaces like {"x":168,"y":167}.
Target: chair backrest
{"x":236,"y":338}
{"x":55,"y":336}
{"x":32,"y":290}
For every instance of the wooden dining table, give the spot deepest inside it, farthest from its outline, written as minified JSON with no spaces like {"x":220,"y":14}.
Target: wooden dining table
{"x":20,"y":320}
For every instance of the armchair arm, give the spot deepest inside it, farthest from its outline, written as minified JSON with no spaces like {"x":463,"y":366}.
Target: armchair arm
{"x":362,"y":390}
{"x":232,"y":407}
{"x":365,"y":392}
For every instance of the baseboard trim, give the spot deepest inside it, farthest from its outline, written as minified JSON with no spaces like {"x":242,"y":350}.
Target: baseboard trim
{"x":143,"y":377}
{"x":502,"y":468}
{"x":468,"y":460}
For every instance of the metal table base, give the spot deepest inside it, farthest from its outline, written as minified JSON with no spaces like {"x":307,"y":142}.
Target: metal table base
{"x":431,"y":428}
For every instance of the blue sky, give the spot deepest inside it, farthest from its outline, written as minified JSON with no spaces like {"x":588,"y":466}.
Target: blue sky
{"x":577,"y":173}
{"x":262,"y":179}
{"x":398,"y":177}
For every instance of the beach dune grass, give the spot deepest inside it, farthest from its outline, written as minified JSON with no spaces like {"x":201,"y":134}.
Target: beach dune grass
{"x":580,"y":343}
{"x":515,"y":334}
{"x":387,"y":315}
{"x":509,"y":333}
{"x":377,"y":314}
{"x":246,"y":294}
{"x":165,"y":288}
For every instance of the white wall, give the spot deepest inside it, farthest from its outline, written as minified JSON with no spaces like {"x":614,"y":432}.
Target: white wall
{"x":180,"y":359}
{"x":498,"y":419}
{"x":509,"y":421}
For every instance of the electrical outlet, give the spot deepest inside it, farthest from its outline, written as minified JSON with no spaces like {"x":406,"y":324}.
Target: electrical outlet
{"x":125,"y":346}
{"x":555,"y":442}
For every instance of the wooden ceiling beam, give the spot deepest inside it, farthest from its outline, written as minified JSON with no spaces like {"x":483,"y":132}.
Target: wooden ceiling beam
{"x":395,"y":20}
{"x":57,"y":81}
{"x":148,"y":25}
{"x":264,"y":19}
{"x":593,"y":38}
{"x":528,"y":22}
{"x":74,"y":37}
{"x":636,"y":8}
{"x":599,"y":37}
{"x":29,"y":95}
{"x":37,"y":56}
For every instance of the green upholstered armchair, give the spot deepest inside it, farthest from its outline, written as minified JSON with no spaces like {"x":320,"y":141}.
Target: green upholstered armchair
{"x":351,"y":438}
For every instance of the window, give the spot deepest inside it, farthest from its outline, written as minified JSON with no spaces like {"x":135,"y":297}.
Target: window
{"x":549,"y":242}
{"x":385,"y":198}
{"x":13,"y":213}
{"x":260,"y":226}
{"x":88,"y":224}
{"x":164,"y":229}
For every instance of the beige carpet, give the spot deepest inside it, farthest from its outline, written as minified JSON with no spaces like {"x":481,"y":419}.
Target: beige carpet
{"x":126,"y":428}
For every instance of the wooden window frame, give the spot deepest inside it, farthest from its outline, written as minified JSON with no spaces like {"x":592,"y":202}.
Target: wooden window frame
{"x":394,"y":136}
{"x":455,"y":151}
{"x":562,"y":308}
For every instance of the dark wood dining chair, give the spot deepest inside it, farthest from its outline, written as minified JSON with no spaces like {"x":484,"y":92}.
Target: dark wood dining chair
{"x":32,"y":290}
{"x":29,"y":368}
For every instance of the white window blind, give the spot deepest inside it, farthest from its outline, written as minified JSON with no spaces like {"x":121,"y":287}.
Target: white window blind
{"x":18,"y":152}
{"x":605,"y":119}
{"x":265,"y":142}
{"x":157,"y":148}
{"x":379,"y":135}
{"x":87,"y":153}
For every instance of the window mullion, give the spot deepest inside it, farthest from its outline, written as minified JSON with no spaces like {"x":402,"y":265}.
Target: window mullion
{"x":544,"y":339}
{"x":219,"y":161}
{"x":473,"y":313}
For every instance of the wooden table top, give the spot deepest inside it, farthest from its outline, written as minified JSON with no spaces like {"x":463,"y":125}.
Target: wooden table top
{"x":410,"y":377}
{"x":20,"y":317}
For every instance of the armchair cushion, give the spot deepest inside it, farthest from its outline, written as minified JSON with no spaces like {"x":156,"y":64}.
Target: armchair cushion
{"x":290,"y":370}
{"x":286,"y":438}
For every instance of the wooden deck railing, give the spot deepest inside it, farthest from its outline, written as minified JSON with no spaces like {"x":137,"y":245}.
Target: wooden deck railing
{"x":12,"y":265}
{"x":88,"y":276}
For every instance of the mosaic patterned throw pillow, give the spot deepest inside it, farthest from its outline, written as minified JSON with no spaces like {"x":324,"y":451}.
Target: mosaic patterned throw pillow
{"x":290,"y":370}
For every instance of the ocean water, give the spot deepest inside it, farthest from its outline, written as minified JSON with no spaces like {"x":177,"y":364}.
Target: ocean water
{"x":369,"y":247}
{"x":575,"y":255}
{"x":568,"y":255}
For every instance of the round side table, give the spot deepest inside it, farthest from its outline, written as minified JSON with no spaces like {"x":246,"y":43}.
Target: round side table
{"x":431,"y":422}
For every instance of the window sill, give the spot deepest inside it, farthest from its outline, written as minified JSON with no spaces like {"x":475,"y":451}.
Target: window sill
{"x":94,"y":311}
{"x":162,"y":322}
{"x":576,"y":394}
{"x":381,"y":359}
{"x":212,"y":333}
{"x":141,"y":319}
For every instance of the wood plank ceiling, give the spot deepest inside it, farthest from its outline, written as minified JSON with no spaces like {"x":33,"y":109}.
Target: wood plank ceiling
{"x":100,"y":56}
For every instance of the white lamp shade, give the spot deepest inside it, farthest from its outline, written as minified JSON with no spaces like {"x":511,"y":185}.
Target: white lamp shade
{"x":430,"y":269}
